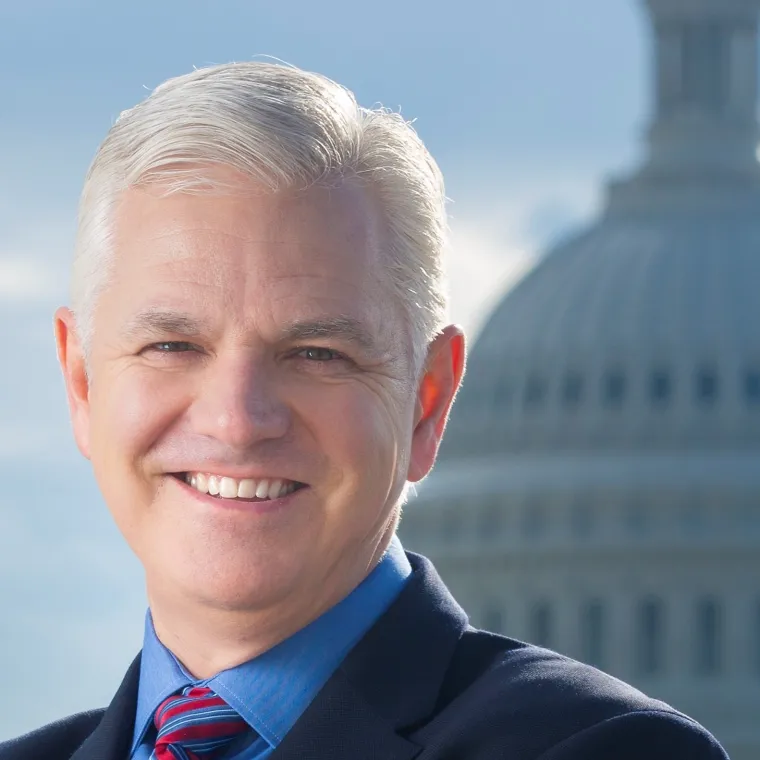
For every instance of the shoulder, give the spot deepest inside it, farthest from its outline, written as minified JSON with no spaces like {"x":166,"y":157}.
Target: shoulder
{"x":539,"y":704}
{"x":55,"y":741}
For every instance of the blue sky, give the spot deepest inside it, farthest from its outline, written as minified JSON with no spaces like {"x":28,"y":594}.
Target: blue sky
{"x":527,"y":105}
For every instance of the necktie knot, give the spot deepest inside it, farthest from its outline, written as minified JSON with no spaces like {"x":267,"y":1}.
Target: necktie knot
{"x":195,"y":724}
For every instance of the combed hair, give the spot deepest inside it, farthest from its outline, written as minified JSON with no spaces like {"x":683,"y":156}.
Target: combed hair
{"x":285,"y":128}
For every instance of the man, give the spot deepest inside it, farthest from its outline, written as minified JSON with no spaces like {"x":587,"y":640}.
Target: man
{"x":257,"y":365}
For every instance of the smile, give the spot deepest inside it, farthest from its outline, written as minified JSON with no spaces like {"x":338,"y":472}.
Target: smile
{"x":261,"y":489}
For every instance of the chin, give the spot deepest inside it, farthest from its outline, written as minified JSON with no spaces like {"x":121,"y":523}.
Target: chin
{"x":232,"y":587}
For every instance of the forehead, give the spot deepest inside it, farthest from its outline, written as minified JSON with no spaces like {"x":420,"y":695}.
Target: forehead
{"x":249,"y":254}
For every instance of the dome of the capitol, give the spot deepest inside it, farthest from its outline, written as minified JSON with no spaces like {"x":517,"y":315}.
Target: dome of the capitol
{"x":637,"y":333}
{"x":598,"y":487}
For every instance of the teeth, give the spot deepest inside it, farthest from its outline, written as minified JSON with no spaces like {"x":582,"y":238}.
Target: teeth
{"x":246,"y":488}
{"x":228,"y":488}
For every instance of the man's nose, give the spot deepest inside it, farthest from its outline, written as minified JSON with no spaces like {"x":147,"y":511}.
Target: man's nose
{"x":238,"y":402}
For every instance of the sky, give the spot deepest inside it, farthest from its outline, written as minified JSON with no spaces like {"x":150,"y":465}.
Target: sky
{"x":527,"y":106}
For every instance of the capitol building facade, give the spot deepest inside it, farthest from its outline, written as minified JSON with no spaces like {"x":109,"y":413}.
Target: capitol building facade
{"x":598,"y":490}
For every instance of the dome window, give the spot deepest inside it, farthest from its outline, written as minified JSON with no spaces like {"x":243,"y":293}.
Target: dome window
{"x":535,"y":391}
{"x":709,"y":634}
{"x":706,"y":386}
{"x":694,"y":518}
{"x":534,"y":519}
{"x":756,"y":638}
{"x":637,"y":518}
{"x":613,"y":388}
{"x":493,"y":618}
{"x":572,"y":390}
{"x":660,"y":387}
{"x":490,"y":523}
{"x":505,"y":392}
{"x":452,"y":526}
{"x":752,"y":387}
{"x":581,"y":519}
{"x":593,"y":624}
{"x":541,"y":625}
{"x":650,"y":637}
{"x":706,"y":65}
{"x":749,"y":517}
{"x":408,"y":532}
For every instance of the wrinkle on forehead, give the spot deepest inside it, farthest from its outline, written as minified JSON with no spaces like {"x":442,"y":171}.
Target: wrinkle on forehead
{"x":316,"y":256}
{"x":359,"y":214}
{"x":314,"y":225}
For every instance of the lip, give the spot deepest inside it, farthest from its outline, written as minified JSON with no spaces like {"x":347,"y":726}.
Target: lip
{"x":237,"y":474}
{"x":237,"y":505}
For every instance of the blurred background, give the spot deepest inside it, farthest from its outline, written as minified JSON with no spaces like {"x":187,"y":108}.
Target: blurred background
{"x":599,"y":488}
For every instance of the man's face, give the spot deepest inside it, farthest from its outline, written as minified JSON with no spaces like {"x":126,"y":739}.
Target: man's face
{"x":252,"y":337}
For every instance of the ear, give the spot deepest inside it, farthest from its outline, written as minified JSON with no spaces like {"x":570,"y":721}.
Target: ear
{"x":443,"y":374}
{"x":71,"y":359}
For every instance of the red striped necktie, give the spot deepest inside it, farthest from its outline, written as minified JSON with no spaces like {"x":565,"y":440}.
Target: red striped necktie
{"x":195,"y":724}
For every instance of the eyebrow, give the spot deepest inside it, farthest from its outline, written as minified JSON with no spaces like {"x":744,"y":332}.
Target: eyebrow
{"x":161,"y":322}
{"x":335,"y":328}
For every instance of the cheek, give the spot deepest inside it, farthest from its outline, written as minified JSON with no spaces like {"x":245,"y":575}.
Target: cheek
{"x":363,"y":432}
{"x":128,"y":415}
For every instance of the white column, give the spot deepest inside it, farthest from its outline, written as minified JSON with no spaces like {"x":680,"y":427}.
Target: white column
{"x":743,"y":63}
{"x":669,"y":73}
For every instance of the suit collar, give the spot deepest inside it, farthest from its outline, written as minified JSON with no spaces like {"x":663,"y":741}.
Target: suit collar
{"x":400,"y":664}
{"x":112,"y":737}
{"x":389,"y":682}
{"x":272,"y":690}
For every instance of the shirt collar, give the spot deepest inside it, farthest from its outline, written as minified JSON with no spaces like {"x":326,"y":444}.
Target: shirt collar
{"x":272,"y":691}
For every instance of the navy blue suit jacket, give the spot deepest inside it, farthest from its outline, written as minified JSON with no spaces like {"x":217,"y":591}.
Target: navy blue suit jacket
{"x":423,"y":684}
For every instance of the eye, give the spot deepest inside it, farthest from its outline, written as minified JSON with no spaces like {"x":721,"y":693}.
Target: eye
{"x":171,"y":347}
{"x":318,"y":354}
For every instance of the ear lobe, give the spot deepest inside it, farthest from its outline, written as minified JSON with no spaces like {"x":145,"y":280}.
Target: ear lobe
{"x":443,"y":375}
{"x":72,"y":361}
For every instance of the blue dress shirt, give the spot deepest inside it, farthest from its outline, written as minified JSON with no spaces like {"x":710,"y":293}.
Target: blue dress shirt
{"x":272,"y":691}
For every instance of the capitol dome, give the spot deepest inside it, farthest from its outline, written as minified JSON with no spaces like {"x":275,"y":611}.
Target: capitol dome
{"x":598,"y":488}
{"x":641,"y":332}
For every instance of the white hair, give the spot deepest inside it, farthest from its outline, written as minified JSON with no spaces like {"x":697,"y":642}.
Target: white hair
{"x":285,"y":128}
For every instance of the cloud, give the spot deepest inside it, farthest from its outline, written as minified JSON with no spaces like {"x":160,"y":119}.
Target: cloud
{"x":24,"y":279}
{"x":23,"y":440}
{"x":71,"y":593}
{"x":482,"y":266}
{"x":499,"y":234}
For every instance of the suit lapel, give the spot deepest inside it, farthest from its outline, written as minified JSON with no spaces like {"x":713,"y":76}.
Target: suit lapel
{"x":389,"y":682}
{"x":340,"y":725}
{"x":112,"y":738}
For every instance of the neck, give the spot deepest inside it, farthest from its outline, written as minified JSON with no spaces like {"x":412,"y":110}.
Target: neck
{"x":208,"y":638}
